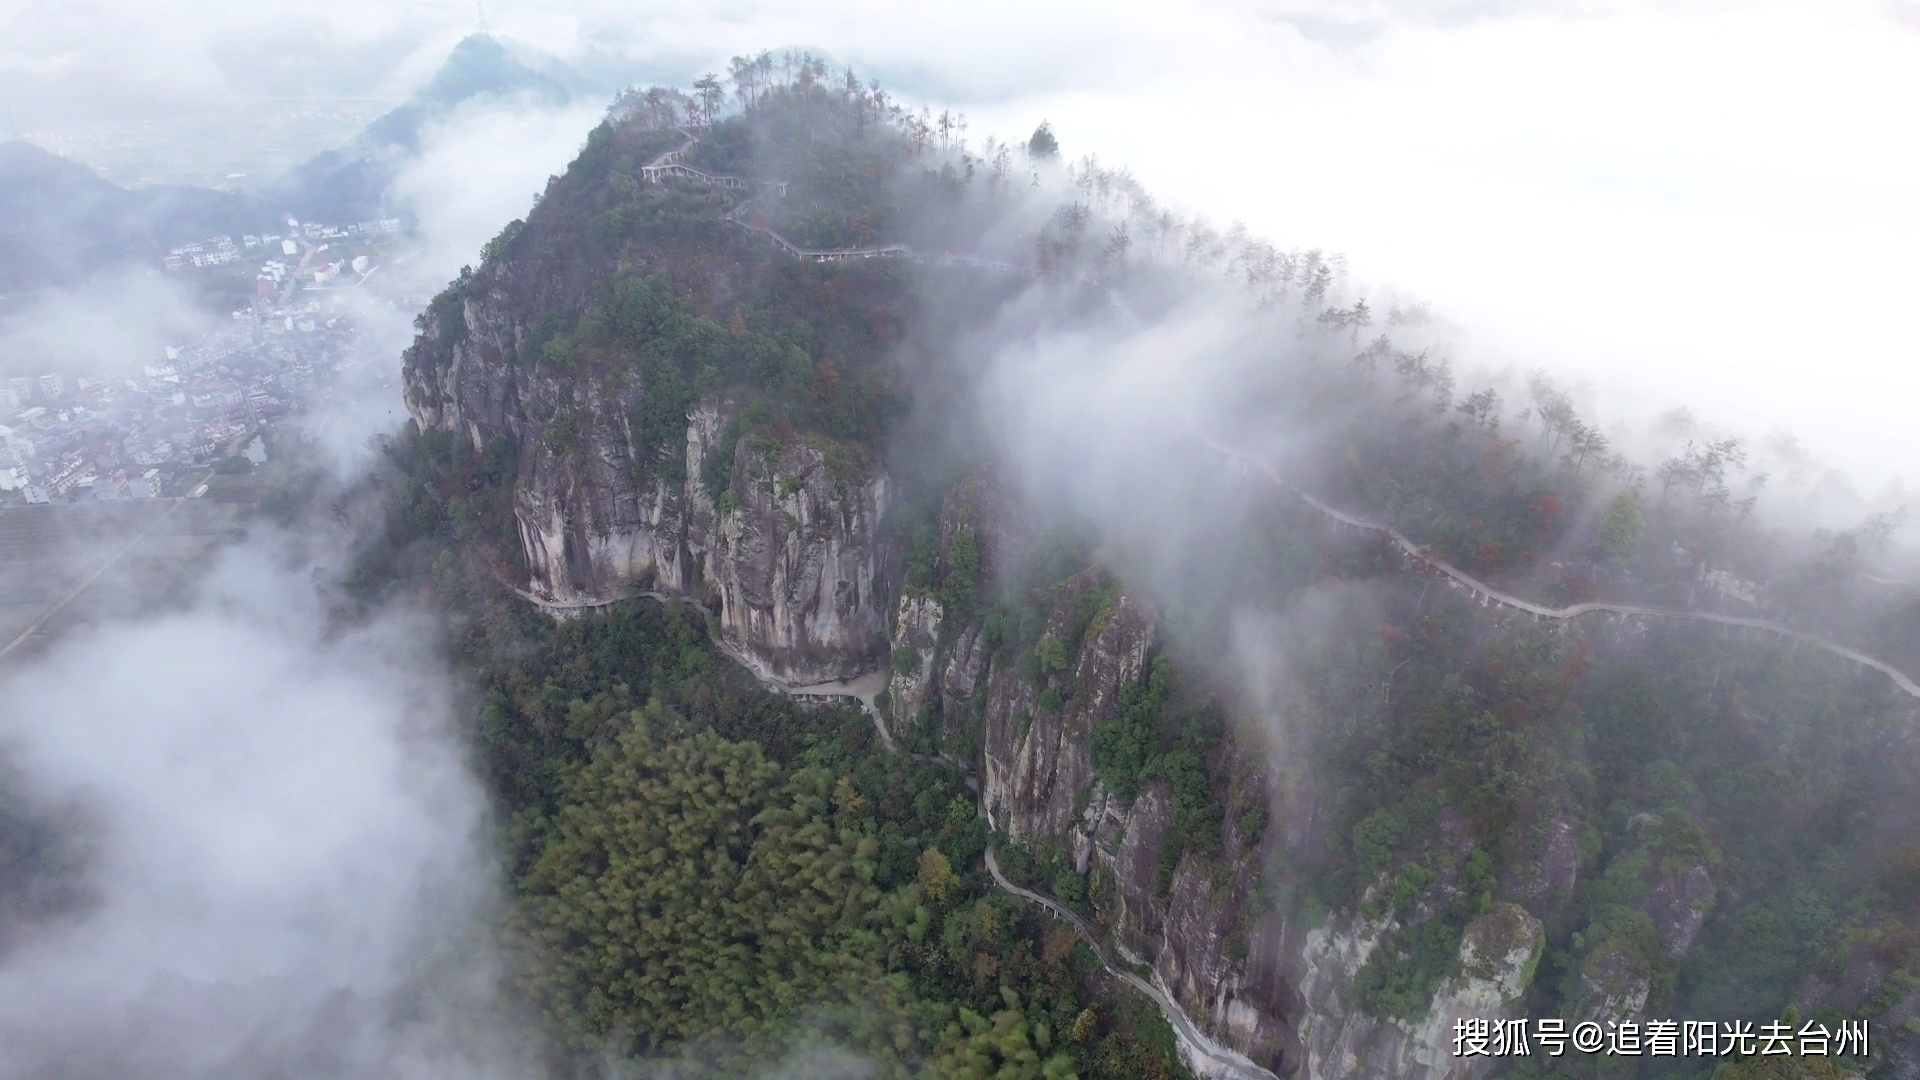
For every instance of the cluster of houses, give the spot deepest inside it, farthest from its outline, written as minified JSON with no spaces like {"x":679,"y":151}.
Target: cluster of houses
{"x":221,"y":250}
{"x":147,"y":429}
{"x":151,"y":425}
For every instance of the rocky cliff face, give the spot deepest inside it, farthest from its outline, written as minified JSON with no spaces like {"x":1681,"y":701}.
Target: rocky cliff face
{"x":1206,"y":936}
{"x":1038,"y":773}
{"x":1498,"y":953}
{"x":1283,"y":995}
{"x":790,"y":556}
{"x":790,"y":561}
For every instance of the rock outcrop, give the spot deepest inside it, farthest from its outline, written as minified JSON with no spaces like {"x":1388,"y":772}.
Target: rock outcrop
{"x":1039,"y":786}
{"x":1679,"y":907}
{"x":789,"y":555}
{"x":1498,"y":954}
{"x":916,"y":633}
{"x":1038,"y":773}
{"x":1206,"y":939}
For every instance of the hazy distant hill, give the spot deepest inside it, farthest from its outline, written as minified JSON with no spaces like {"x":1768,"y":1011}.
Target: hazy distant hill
{"x":59,"y":222}
{"x":350,"y":184}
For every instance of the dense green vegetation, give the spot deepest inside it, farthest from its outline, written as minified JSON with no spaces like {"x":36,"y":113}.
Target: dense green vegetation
{"x":1159,"y":733}
{"x":646,"y":332}
{"x":643,"y":291}
{"x":1699,"y":817}
{"x":708,"y":873}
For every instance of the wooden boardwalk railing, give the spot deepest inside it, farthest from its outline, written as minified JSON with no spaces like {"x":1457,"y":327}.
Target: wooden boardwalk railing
{"x":668,"y":165}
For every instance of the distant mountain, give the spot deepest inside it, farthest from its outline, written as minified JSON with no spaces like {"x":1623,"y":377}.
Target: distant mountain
{"x":350,"y":184}
{"x":59,"y":222}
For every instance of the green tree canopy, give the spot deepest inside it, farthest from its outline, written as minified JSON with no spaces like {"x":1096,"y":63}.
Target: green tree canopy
{"x":691,"y":888}
{"x":1043,"y":144}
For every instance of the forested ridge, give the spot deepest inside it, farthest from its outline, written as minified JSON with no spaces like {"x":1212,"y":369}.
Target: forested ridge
{"x":709,"y":878}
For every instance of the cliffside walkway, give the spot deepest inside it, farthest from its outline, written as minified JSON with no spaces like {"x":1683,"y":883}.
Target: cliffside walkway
{"x":862,"y":688}
{"x":1488,"y":595}
{"x":668,"y":165}
{"x":1225,"y":1062}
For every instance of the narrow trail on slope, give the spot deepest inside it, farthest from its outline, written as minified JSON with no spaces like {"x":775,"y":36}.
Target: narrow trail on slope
{"x":1459,"y":578}
{"x":864,"y":688}
{"x":1227,"y":1062}
{"x":668,"y":164}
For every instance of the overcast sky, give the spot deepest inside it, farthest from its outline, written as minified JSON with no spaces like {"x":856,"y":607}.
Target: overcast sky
{"x":1703,"y":203}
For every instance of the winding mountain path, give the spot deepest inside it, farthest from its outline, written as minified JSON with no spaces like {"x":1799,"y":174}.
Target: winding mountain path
{"x":1487,"y":594}
{"x":1226,"y":1062}
{"x":669,"y":165}
{"x":864,"y":688}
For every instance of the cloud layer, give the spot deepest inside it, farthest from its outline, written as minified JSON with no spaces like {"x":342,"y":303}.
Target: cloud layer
{"x":1701,"y":203}
{"x":283,"y":833}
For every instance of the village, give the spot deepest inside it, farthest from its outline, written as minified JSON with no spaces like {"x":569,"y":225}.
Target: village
{"x":154,"y":426}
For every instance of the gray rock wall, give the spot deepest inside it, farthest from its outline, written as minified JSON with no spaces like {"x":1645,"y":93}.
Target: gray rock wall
{"x":792,"y":560}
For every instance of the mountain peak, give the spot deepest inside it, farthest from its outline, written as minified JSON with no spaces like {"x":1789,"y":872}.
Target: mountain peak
{"x":479,"y":66}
